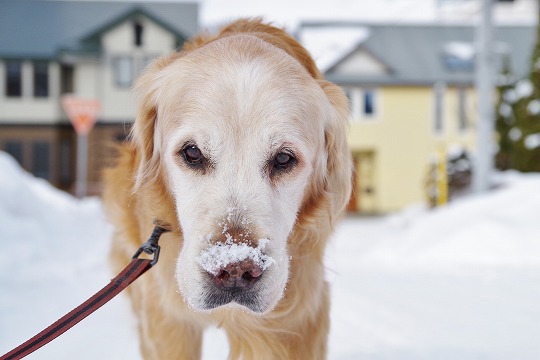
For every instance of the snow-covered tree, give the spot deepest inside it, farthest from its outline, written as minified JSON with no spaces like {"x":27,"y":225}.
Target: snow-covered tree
{"x":504,"y":118}
{"x":518,"y":118}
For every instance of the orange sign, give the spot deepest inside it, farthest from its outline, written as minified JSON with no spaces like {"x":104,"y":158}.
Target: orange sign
{"x":81,"y":112}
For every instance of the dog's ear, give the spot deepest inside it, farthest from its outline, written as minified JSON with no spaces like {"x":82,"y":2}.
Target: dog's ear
{"x":338,"y":178}
{"x":143,"y":130}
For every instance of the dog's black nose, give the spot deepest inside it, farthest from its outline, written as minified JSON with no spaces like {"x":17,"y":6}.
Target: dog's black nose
{"x":238,"y":276}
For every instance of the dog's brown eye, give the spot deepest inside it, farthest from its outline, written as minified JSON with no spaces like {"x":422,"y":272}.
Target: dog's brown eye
{"x":192,"y":154}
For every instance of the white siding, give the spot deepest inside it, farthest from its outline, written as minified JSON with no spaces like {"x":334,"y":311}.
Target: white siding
{"x":117,"y":102}
{"x":155,"y":39}
{"x":87,"y":75}
{"x":27,"y":108}
{"x":93,"y":78}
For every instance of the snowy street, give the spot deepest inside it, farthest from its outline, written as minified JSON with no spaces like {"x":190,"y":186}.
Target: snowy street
{"x":461,"y":282}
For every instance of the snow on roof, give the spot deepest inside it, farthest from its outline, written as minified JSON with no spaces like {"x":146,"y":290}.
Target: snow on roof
{"x":461,"y":50}
{"x":328,"y":45}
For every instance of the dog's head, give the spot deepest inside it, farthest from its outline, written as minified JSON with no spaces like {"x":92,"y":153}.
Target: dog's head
{"x":244,"y":137}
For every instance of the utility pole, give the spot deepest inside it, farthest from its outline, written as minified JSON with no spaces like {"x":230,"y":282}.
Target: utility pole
{"x":485,"y":85}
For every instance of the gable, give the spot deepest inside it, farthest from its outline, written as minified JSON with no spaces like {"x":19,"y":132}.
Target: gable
{"x":153,"y":37}
{"x":134,"y":15}
{"x":359,"y":62}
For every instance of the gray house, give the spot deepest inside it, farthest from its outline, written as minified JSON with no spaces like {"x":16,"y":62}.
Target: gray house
{"x":91,"y":49}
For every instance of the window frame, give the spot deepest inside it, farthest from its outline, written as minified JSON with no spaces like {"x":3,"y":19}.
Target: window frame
{"x":373,"y":113}
{"x":41,"y":159}
{"x":67,"y":79}
{"x":462,"y":110}
{"x":41,"y":81}
{"x":138,"y":34}
{"x":439,"y":92}
{"x":117,"y":71}
{"x":358,"y":96}
{"x":9,"y":78}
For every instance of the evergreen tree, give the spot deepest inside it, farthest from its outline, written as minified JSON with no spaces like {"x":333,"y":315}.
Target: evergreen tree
{"x":518,"y":118}
{"x":504,"y":117}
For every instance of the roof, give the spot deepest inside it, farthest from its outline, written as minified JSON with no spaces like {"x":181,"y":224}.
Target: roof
{"x":329,"y":45}
{"x":428,"y":53}
{"x":41,"y":28}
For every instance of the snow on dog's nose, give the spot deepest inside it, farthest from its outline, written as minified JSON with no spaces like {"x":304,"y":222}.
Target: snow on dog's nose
{"x":236,"y":260}
{"x":235,"y":266}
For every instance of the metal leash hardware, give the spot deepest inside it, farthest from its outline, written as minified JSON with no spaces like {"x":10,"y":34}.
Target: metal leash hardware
{"x":151,"y":246}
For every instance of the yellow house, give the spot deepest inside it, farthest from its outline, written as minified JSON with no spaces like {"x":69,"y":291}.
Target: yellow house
{"x":393,"y":148}
{"x":412,"y":98}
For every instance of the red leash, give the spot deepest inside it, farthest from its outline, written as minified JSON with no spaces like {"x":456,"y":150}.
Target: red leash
{"x":135,"y":268}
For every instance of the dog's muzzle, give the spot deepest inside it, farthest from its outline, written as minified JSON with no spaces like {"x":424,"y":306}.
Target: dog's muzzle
{"x":233,"y":271}
{"x":235,"y":283}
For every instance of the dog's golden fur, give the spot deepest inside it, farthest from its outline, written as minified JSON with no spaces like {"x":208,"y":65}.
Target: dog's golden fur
{"x":137,"y":192}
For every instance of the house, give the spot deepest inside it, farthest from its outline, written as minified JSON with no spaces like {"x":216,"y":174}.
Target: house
{"x":411,"y":89}
{"x":92,"y":49}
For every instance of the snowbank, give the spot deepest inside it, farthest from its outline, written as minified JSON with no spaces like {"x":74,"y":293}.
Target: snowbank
{"x":459,"y":282}
{"x":495,"y":230}
{"x":41,"y":223}
{"x":54,"y":251}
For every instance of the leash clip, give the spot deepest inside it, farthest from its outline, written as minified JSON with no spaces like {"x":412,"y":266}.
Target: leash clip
{"x":151,"y":246}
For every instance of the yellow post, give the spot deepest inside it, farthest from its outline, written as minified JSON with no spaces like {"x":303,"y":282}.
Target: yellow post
{"x":442,"y":179}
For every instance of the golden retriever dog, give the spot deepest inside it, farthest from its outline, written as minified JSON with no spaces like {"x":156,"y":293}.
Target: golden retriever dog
{"x":240,"y":147}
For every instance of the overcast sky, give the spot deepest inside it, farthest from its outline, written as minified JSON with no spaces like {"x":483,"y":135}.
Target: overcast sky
{"x":289,"y":13}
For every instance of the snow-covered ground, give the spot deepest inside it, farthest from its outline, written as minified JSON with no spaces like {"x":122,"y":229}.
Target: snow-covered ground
{"x":461,"y":282}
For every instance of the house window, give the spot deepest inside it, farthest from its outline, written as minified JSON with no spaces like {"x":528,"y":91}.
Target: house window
{"x":362,"y":102}
{"x":41,"y":159}
{"x":462,"y":109}
{"x":438,"y":117}
{"x":41,"y":79}
{"x":138,"y":32}
{"x":15,"y":149}
{"x":13,"y":78}
{"x":123,"y":71}
{"x":369,"y":103}
{"x":67,"y":79}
